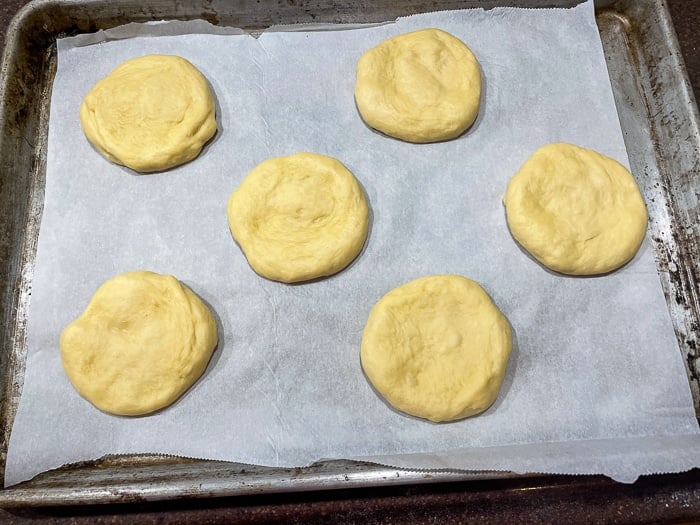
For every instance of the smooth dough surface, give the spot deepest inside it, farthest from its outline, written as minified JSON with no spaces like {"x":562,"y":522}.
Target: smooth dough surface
{"x":575,"y":210}
{"x":437,"y":348}
{"x":299,"y":217}
{"x":143,"y":340}
{"x":423,"y":86}
{"x":151,"y":113}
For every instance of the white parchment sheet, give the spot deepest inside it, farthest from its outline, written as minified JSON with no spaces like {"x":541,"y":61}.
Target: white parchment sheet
{"x":596,"y":383}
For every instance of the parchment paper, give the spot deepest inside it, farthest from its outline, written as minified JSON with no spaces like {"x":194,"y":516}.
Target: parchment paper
{"x":595,"y":383}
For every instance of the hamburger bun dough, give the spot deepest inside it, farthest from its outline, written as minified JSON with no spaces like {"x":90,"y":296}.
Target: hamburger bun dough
{"x":423,"y":86}
{"x":299,"y":217}
{"x":143,"y":340}
{"x":576,"y":211}
{"x":151,"y":113}
{"x":437,"y":348}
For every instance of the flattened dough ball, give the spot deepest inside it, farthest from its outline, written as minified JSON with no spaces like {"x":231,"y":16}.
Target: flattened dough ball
{"x":423,"y":86}
{"x":150,"y":114}
{"x":437,"y":348}
{"x":299,"y":217}
{"x":576,"y":211}
{"x":143,"y":340}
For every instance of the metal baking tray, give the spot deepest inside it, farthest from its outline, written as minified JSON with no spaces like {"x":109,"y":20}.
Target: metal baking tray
{"x":659,"y":119}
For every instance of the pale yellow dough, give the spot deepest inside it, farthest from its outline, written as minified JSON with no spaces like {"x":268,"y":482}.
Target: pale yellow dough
{"x":576,"y":211}
{"x":299,"y":217}
{"x":437,"y":348}
{"x":143,"y":340}
{"x":423,"y":86}
{"x":151,"y":113}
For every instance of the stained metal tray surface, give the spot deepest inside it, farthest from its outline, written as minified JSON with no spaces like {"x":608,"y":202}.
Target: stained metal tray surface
{"x":659,"y":118}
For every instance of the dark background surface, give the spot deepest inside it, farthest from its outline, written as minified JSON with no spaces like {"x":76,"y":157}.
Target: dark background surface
{"x":593,"y":499}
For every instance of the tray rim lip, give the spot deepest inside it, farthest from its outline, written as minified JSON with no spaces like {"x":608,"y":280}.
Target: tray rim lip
{"x":12,"y":37}
{"x":301,"y":480}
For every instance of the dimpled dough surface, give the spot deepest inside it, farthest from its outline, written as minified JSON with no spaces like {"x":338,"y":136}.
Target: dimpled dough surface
{"x":423,"y":86}
{"x":143,"y":339}
{"x":437,"y":348}
{"x":151,"y":113}
{"x":575,"y":210}
{"x":299,"y":217}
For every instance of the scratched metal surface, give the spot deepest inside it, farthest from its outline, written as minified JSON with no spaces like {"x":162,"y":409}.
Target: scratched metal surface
{"x":659,"y":118}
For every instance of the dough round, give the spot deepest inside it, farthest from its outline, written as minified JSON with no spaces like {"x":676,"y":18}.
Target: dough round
{"x":143,"y":339}
{"x":299,"y":217}
{"x":423,"y":86}
{"x":576,"y":211}
{"x":150,"y":114}
{"x":437,"y":348}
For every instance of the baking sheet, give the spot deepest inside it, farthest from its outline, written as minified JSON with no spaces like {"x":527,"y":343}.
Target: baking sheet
{"x":595,"y":359}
